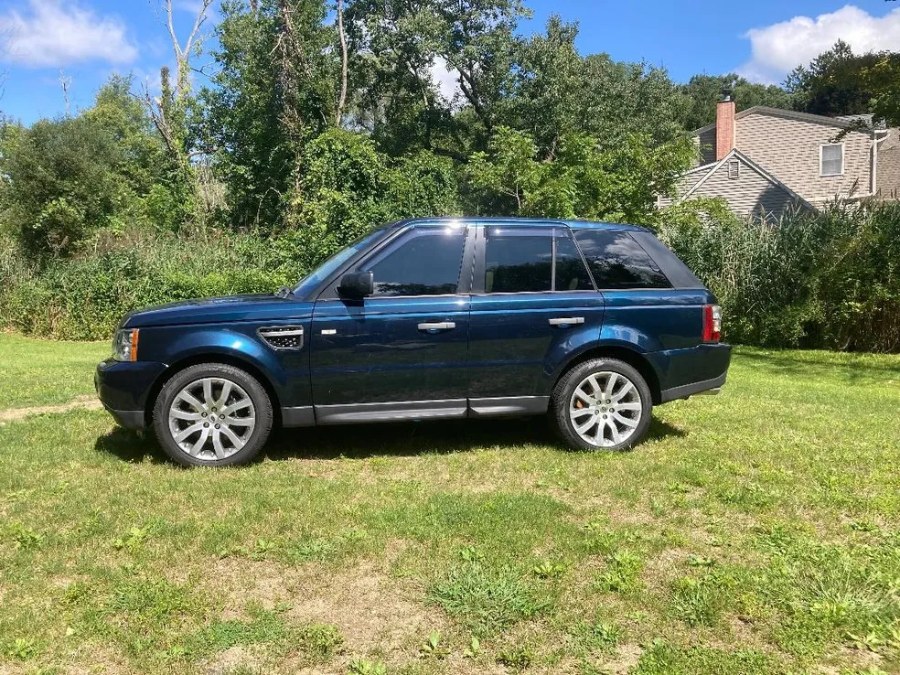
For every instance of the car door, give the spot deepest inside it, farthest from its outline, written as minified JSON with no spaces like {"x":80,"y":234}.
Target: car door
{"x":401,"y":352}
{"x":533,"y":305}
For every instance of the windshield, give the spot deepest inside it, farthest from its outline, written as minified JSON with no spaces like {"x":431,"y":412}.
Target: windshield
{"x":327,"y":268}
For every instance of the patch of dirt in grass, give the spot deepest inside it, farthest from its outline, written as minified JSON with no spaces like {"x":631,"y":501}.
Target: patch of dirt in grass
{"x":623,"y":661}
{"x":86,"y":402}
{"x":227,"y":661}
{"x":370,"y":609}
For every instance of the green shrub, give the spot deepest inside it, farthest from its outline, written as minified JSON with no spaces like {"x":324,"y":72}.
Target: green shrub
{"x":818,"y":280}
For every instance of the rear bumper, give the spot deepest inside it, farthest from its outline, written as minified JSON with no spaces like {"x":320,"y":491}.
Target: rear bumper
{"x":685,"y":390}
{"x":686,"y":372}
{"x":123,"y":388}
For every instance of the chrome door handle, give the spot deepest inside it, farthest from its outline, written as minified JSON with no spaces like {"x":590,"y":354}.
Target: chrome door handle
{"x":442,"y":325}
{"x":567,"y":321}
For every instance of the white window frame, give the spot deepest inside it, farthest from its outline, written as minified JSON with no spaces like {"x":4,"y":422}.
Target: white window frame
{"x":822,"y":147}
{"x":734,"y":164}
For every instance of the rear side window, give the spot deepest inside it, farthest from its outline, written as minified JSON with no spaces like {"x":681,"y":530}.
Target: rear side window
{"x":522,"y":261}
{"x":425,"y":262}
{"x":517,"y":263}
{"x":617,"y":261}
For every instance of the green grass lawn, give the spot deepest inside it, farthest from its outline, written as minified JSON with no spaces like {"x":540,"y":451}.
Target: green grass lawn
{"x":755,"y":532}
{"x":41,"y":372}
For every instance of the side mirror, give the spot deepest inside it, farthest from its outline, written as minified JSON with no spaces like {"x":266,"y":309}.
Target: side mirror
{"x":357,"y":285}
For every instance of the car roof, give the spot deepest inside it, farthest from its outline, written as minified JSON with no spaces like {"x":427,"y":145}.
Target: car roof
{"x":522,"y":222}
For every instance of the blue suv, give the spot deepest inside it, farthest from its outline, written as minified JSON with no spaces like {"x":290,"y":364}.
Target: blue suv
{"x":590,"y":323}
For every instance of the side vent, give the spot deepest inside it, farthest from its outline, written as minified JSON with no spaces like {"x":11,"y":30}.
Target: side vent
{"x":282,"y":337}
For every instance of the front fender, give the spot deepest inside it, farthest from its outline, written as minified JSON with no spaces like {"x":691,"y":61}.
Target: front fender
{"x":287,"y":373}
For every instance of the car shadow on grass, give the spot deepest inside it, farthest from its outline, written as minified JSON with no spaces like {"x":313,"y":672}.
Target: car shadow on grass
{"x":363,"y":441}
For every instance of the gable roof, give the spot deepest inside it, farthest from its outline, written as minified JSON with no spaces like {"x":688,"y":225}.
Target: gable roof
{"x":737,"y":154}
{"x":839,"y":122}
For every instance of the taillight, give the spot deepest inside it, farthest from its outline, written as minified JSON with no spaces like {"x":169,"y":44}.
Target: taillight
{"x":712,"y":323}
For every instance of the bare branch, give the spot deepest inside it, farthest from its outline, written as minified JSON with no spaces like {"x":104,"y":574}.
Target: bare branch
{"x":344,"y":62}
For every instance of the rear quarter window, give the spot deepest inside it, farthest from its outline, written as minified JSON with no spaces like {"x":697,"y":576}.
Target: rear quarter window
{"x":618,"y":261}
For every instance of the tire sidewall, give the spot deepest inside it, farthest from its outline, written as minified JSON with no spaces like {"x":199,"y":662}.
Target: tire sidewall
{"x":256,"y":392}
{"x":564,"y":390}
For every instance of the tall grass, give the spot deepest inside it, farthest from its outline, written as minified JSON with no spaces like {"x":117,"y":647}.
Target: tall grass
{"x":825,"y":280}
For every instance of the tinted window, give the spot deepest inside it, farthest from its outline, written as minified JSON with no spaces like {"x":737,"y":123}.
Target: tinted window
{"x":571,"y":274}
{"x":618,"y":261}
{"x":426,"y":262}
{"x":517,"y":263}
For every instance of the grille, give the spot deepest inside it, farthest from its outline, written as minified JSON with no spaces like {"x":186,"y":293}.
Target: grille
{"x":283,"y":337}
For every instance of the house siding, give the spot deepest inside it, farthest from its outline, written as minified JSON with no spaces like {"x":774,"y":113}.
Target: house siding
{"x":888,"y":183}
{"x":749,"y":194}
{"x":685,"y":182}
{"x":789,"y":149}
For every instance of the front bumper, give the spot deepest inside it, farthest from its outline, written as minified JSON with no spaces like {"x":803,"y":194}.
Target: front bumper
{"x":123,"y":388}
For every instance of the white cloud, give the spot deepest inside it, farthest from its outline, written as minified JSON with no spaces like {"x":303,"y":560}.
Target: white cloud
{"x":445,"y":79}
{"x":779,"y":48}
{"x":53,"y":34}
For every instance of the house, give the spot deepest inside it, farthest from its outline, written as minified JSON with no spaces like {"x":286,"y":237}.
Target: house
{"x":764,"y":161}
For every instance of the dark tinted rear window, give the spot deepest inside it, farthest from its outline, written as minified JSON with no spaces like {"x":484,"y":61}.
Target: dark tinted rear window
{"x":618,"y":261}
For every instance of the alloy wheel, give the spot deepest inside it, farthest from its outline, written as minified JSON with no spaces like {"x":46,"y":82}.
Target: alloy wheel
{"x":605,"y":409}
{"x":212,"y":418}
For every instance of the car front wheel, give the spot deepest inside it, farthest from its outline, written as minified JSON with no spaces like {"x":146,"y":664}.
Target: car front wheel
{"x":602,"y":404}
{"x":212,"y":414}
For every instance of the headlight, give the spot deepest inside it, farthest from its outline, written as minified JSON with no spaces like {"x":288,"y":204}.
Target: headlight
{"x":125,"y":344}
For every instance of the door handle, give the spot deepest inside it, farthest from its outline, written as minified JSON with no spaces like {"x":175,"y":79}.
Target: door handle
{"x":442,"y":325}
{"x":567,"y":321}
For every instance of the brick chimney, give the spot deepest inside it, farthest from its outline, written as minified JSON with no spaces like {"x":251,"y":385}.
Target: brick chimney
{"x":724,"y":128}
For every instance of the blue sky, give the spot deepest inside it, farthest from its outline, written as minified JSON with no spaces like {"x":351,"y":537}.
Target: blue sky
{"x":84,"y":41}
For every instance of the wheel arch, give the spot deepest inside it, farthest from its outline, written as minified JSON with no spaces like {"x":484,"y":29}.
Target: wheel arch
{"x":630,"y":356}
{"x":212,"y":357}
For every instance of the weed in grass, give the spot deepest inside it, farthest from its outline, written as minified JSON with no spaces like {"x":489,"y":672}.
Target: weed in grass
{"x":432,"y":646}
{"x":366,"y":667}
{"x":622,"y":573}
{"x":133,"y":540}
{"x":473,"y":649}
{"x":600,"y":636}
{"x":548,"y":570}
{"x":25,"y":538}
{"x":697,"y":602}
{"x":487,"y":599}
{"x":21,"y":649}
{"x":664,"y":659}
{"x":519,"y":658}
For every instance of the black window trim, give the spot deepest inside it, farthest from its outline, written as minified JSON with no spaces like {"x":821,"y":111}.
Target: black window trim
{"x":551,"y":229}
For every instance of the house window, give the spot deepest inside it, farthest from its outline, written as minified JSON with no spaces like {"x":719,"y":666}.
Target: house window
{"x":734,"y":169}
{"x":832,"y":159}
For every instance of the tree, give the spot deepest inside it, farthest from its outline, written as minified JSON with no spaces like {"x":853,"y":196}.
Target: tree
{"x":705,"y":91}
{"x":834,"y":83}
{"x":584,"y":179}
{"x":67,"y":178}
{"x":274,"y":91}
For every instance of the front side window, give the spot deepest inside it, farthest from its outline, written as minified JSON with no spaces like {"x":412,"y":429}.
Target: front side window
{"x":617,"y":261}
{"x":832,"y":160}
{"x":425,"y":262}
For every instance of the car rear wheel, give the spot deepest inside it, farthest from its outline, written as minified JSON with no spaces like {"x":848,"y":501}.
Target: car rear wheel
{"x":602,"y":404}
{"x":212,"y":414}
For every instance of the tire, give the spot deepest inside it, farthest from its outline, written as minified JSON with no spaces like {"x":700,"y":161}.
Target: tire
{"x":196,"y":427}
{"x":628,"y":410}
